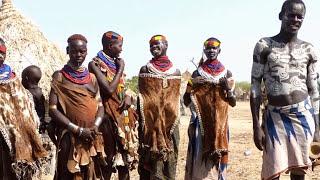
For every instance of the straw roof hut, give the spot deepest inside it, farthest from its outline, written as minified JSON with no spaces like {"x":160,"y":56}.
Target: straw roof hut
{"x":26,"y":45}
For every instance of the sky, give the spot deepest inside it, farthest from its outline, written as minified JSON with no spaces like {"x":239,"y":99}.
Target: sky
{"x":185,"y":23}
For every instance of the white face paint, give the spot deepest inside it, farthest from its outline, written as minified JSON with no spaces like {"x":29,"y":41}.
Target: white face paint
{"x":212,"y":52}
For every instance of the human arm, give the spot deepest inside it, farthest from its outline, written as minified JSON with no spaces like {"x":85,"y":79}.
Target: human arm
{"x":312,"y":84}
{"x":228,"y":85}
{"x":195,"y":79}
{"x":259,"y":59}
{"x":107,"y":87}
{"x":100,"y":113}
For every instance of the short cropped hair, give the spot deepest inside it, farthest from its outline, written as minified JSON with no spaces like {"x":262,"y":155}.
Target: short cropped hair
{"x":77,"y":37}
{"x":286,"y":4}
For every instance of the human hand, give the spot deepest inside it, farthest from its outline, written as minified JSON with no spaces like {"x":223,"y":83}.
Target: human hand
{"x":87,"y":135}
{"x":125,"y":104}
{"x":119,"y":63}
{"x":259,"y":138}
{"x":198,"y":80}
{"x":43,"y":127}
{"x":226,"y":83}
{"x":95,"y":130}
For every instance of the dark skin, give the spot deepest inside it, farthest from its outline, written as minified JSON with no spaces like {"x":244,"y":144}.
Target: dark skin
{"x":2,"y":55}
{"x":291,"y":19}
{"x":77,"y":51}
{"x":212,"y":53}
{"x":113,"y":50}
{"x":158,"y":49}
{"x":30,"y":79}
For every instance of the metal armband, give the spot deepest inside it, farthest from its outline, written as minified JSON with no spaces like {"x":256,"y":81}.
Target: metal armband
{"x":72,"y":127}
{"x":52,"y":107}
{"x":98,"y":121}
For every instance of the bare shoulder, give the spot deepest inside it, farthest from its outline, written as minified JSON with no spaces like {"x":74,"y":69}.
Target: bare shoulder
{"x":261,"y":50}
{"x":91,"y":64}
{"x":310,"y":50}
{"x":143,"y":69}
{"x":195,"y":74}
{"x":56,"y":75}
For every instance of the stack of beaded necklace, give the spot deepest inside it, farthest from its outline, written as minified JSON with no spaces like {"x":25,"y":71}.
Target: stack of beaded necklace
{"x":109,"y":67}
{"x":79,"y":75}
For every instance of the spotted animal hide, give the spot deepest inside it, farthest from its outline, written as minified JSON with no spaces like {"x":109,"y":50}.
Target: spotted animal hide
{"x":18,"y":127}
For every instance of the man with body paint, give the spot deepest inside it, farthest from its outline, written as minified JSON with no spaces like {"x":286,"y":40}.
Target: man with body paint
{"x":287,"y":67}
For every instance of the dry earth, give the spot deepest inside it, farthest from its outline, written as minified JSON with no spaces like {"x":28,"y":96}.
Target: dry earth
{"x":241,"y":167}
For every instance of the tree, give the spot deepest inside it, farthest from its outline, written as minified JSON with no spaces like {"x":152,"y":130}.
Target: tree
{"x":244,"y":85}
{"x":132,"y":83}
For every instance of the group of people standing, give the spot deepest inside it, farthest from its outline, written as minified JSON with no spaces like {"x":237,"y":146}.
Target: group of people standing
{"x":98,"y":130}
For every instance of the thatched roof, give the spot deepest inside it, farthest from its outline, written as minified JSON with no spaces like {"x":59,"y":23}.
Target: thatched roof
{"x":26,"y":45}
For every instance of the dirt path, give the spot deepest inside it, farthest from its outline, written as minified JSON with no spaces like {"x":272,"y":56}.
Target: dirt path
{"x":240,"y":167}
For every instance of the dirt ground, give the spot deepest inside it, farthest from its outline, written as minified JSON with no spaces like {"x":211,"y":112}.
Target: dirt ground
{"x":241,"y":167}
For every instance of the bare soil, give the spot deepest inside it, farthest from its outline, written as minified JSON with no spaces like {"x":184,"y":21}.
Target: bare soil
{"x":241,"y":167}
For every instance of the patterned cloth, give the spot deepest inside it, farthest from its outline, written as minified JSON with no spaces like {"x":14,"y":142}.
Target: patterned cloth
{"x":198,"y":167}
{"x":6,"y":72}
{"x":289,"y":131}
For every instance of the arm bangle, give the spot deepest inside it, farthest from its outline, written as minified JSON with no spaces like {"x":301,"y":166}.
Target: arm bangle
{"x":72,"y":127}
{"x":53,"y":107}
{"x":98,"y":121}
{"x":80,"y":131}
{"x":100,"y":104}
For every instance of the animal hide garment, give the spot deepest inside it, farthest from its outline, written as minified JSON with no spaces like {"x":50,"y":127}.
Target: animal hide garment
{"x":211,"y":106}
{"x":18,"y":128}
{"x":160,"y":112}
